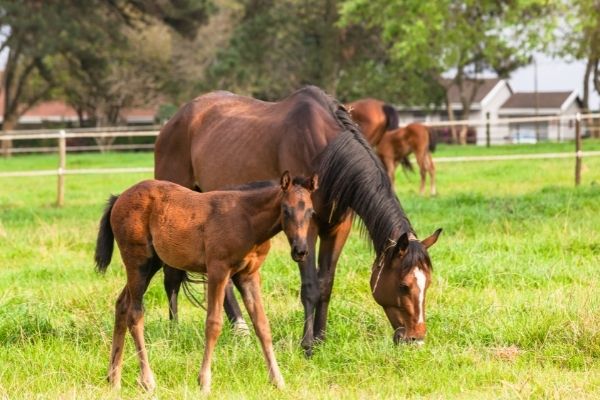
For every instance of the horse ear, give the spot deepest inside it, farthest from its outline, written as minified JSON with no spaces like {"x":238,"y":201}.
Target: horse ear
{"x":313,"y":182}
{"x":402,"y":243}
{"x":286,"y":180}
{"x":430,"y":241}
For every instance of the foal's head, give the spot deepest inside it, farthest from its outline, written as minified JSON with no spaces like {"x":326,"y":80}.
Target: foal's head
{"x":297,"y":211}
{"x":399,"y":282}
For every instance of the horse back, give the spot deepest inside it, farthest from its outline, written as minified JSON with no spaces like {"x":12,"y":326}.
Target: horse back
{"x":221,"y":139}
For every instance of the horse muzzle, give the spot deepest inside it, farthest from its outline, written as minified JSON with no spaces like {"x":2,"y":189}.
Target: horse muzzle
{"x":299,"y":253}
{"x":400,"y":336}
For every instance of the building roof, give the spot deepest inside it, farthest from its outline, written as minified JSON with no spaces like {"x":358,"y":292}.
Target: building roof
{"x":485,"y":86}
{"x":544,"y":99}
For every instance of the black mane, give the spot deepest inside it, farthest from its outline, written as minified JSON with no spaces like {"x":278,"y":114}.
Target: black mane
{"x":352,"y":177}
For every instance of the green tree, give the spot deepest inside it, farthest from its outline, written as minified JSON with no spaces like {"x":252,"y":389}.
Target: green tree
{"x":42,"y":37}
{"x":464,"y":39}
{"x":579,"y":38}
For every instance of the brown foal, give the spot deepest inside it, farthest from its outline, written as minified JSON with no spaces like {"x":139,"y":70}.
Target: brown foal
{"x":395,"y":147}
{"x":224,"y":234}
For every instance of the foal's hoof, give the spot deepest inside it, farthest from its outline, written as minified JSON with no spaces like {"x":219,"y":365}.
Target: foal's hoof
{"x":279,"y":383}
{"x":148,"y":384}
{"x":240,"y":328}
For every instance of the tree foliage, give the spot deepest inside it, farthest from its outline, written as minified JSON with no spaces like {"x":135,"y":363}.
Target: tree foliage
{"x":86,"y":50}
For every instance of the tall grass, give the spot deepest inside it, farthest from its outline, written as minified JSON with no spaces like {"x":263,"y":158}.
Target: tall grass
{"x":513,"y":310}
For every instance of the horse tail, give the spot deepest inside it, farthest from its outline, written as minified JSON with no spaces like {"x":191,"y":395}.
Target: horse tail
{"x":196,"y":297}
{"x":406,"y":164}
{"x":391,"y":115}
{"x":432,"y":140}
{"x":106,"y":237}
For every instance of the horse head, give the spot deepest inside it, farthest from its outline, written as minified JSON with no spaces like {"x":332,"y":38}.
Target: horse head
{"x":399,"y":282}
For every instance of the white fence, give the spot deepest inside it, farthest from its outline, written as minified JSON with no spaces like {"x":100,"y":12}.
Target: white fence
{"x":104,"y":136}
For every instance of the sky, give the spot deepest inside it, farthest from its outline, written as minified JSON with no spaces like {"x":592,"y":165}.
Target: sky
{"x":553,"y":75}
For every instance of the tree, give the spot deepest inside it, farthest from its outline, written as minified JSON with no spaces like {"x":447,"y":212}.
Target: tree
{"x":463,"y":38}
{"x":39,"y":36}
{"x":579,"y":38}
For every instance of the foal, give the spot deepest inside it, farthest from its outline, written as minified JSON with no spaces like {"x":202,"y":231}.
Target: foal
{"x":396,"y":146}
{"x":223,"y":234}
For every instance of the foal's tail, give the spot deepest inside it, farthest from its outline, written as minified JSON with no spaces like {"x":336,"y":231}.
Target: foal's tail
{"x":432,"y":139}
{"x":106,"y":238}
{"x":406,"y":164}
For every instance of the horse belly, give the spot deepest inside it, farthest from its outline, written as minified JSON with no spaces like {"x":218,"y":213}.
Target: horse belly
{"x":180,"y":248}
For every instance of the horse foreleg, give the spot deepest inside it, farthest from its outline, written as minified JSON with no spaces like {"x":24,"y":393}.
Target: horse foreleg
{"x":330,"y":249}
{"x":309,"y":291}
{"x":172,"y":281}
{"x":250,"y":288}
{"x":218,"y":276}
{"x":118,"y":342}
{"x":234,"y":313}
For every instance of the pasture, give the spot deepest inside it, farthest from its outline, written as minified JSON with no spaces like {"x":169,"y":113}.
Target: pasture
{"x":513,"y":310}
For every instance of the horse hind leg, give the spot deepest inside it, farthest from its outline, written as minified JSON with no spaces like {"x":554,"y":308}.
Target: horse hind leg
{"x":249,"y":286}
{"x":431,"y":168}
{"x":138,"y":279}
{"x":118,"y":341}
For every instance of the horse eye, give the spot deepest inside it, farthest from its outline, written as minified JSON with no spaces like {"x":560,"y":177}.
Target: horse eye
{"x":403,"y":289}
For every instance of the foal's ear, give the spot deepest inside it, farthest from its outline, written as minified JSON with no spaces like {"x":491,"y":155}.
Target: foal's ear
{"x":313,"y":182}
{"x":402,"y":243}
{"x":430,"y":241}
{"x":286,"y":180}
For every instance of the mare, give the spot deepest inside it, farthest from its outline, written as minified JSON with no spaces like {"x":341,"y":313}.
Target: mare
{"x":222,"y":139}
{"x":374,"y":118}
{"x":224,"y":234}
{"x":396,"y":146}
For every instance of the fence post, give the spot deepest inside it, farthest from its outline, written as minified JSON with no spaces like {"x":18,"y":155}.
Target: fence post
{"x":578,"y":153}
{"x":487,"y":129}
{"x":62,"y":163}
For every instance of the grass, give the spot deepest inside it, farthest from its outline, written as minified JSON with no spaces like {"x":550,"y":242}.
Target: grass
{"x":513,"y":310}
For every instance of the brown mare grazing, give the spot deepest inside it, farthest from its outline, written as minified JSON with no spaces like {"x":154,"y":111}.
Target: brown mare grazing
{"x":374,"y":118}
{"x":396,"y":146}
{"x":224,"y":234}
{"x":222,"y":139}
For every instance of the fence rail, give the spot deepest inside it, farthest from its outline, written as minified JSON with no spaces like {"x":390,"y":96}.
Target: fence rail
{"x":99,"y":134}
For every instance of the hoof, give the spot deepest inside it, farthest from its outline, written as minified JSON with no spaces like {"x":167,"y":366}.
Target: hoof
{"x":240,"y":328}
{"x":279,"y":383}
{"x":148,"y":384}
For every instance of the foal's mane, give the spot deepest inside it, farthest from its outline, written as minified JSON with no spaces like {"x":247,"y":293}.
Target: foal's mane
{"x":351,"y":176}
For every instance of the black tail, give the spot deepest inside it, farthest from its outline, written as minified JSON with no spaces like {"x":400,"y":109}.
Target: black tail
{"x":391,"y":114}
{"x":432,"y":140}
{"x":105,"y":240}
{"x":406,"y":164}
{"x":196,"y":297}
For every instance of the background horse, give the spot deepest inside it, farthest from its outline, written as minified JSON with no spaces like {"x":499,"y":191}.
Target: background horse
{"x":223,"y":234}
{"x":374,"y":118}
{"x":222,"y":139}
{"x":396,"y":146}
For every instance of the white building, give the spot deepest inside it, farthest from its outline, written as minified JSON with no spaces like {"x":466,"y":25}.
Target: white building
{"x":494,"y":99}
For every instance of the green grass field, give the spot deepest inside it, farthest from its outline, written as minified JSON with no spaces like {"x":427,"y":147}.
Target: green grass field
{"x":513,"y":310}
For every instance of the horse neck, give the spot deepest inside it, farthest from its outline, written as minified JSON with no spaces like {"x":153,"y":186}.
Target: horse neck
{"x":263,"y":207}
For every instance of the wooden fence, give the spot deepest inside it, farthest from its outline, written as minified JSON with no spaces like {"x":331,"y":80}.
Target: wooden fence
{"x":62,"y":135}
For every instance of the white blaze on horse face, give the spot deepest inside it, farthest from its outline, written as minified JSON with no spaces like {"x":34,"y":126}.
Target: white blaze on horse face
{"x":421,"y":281}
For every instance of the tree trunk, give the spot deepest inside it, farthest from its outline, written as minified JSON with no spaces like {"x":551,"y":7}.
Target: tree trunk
{"x":9,"y":124}
{"x":451,"y":118}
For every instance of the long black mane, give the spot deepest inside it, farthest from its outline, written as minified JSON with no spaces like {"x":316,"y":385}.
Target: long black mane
{"x":351,"y":176}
